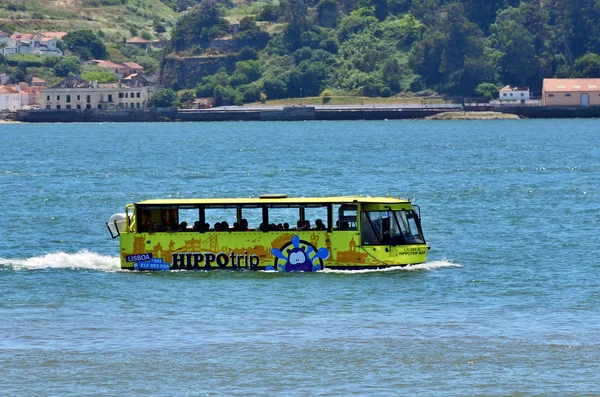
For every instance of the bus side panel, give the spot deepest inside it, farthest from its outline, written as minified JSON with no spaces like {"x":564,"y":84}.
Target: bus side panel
{"x":280,"y":250}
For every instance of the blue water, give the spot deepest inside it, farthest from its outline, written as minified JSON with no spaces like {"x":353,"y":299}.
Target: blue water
{"x":507,"y":304}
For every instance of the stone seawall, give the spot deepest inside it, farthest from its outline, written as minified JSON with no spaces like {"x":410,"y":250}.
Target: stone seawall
{"x":286,"y":113}
{"x":290,"y":113}
{"x":547,"y":112}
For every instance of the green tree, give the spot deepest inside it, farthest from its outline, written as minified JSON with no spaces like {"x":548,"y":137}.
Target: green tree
{"x":251,"y":69}
{"x":274,"y":88}
{"x":587,"y":66}
{"x":247,"y":54}
{"x":295,"y":13}
{"x":67,"y":65}
{"x":452,"y":56}
{"x":520,"y":36}
{"x":187,"y":100}
{"x":225,"y":96}
{"x":487,"y":90}
{"x":201,"y":24}
{"x":165,"y":98}
{"x":358,"y":21}
{"x":327,"y":13}
{"x":85,"y":44}
{"x":518,"y":61}
{"x":98,"y":74}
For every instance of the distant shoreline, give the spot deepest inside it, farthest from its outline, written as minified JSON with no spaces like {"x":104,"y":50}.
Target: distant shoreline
{"x":307,"y":113}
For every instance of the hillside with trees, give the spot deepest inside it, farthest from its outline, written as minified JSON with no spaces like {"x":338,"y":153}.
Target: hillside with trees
{"x":246,"y":51}
{"x":299,"y":48}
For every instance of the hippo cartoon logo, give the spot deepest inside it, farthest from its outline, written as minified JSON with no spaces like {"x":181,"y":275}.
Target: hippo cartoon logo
{"x":300,"y":257}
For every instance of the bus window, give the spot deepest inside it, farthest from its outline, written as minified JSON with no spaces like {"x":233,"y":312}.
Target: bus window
{"x":220,"y":219}
{"x":346,"y":217}
{"x":390,"y":228}
{"x":283,"y":218}
{"x":251,"y":218}
{"x":317,"y":217}
{"x":408,"y":224}
{"x":190,"y":216}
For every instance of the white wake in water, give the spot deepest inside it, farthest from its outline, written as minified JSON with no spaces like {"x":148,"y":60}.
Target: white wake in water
{"x":93,"y":261}
{"x":62,"y":260}
{"x":420,"y":267}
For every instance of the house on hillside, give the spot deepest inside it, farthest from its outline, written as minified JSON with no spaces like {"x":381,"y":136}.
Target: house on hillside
{"x":118,"y":70}
{"x":10,"y":99}
{"x":30,"y":43}
{"x":56,"y":35}
{"x":132,"y":67}
{"x":571,"y":92}
{"x":514,"y":93}
{"x":37,"y":82}
{"x":138,"y":80}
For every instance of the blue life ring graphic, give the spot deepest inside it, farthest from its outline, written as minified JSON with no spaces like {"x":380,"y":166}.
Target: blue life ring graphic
{"x":302,"y":256}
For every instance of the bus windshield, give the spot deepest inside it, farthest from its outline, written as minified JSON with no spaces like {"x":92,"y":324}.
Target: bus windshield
{"x":397,"y":227}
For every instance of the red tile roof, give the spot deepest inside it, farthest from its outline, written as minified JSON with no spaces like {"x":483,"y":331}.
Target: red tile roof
{"x":58,"y":35}
{"x":137,"y":40}
{"x":107,"y":64}
{"x":7,"y":90}
{"x":509,"y":88}
{"x":133,"y":65}
{"x":22,"y":36}
{"x":25,"y":88}
{"x":571,"y":85}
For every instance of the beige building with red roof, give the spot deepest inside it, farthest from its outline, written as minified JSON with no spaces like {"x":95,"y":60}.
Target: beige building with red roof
{"x":132,"y":67}
{"x":571,"y":92}
{"x":118,"y":70}
{"x":10,"y":99}
{"x":37,"y":82}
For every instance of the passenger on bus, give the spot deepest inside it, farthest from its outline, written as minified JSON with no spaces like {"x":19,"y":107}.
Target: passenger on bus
{"x":217,"y":227}
{"x":319,"y":225}
{"x":303,"y":225}
{"x":224,"y":226}
{"x":244,"y":224}
{"x":182,"y":227}
{"x":197,"y":226}
{"x":155,"y":228}
{"x":146,"y":220}
{"x":286,"y":226}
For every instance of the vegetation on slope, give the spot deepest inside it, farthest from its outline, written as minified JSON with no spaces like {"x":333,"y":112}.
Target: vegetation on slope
{"x":242,"y":51}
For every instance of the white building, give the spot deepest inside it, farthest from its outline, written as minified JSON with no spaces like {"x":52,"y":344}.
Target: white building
{"x":29,"y":43}
{"x":78,"y":94}
{"x":513,"y":93}
{"x":10,"y":99}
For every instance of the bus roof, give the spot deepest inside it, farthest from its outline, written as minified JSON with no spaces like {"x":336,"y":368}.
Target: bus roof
{"x":276,"y":199}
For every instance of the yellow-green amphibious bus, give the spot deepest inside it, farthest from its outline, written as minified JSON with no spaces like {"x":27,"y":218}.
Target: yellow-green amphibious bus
{"x":272,"y":232}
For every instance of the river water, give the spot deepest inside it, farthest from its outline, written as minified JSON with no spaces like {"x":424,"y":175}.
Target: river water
{"x":508,"y":302}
